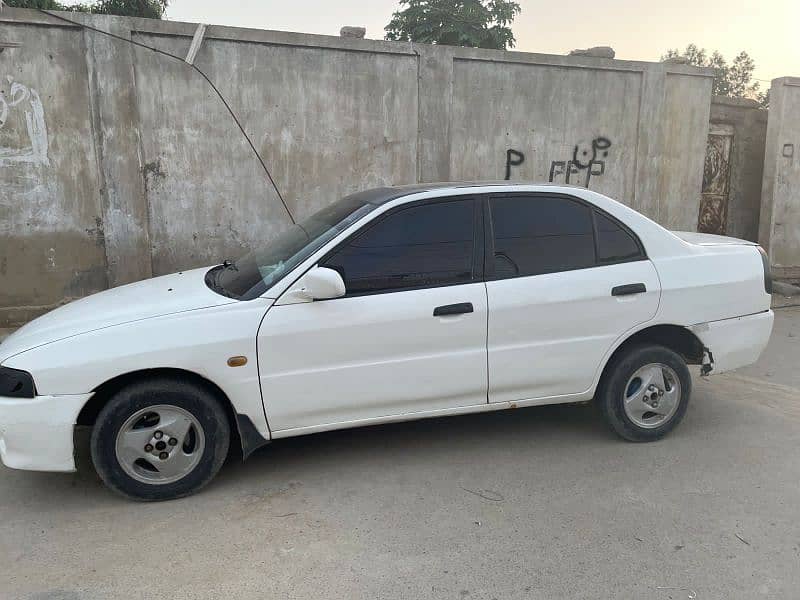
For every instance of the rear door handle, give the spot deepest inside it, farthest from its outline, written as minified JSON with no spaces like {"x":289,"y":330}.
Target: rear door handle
{"x":627,"y":290}
{"x":453,"y":309}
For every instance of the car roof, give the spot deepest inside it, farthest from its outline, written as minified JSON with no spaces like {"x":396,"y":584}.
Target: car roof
{"x":382,"y":195}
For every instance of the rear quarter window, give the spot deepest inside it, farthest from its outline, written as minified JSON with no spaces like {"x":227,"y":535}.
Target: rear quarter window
{"x":614,"y":244}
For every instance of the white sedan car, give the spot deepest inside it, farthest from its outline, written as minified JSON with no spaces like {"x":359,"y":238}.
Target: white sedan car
{"x":388,"y":305}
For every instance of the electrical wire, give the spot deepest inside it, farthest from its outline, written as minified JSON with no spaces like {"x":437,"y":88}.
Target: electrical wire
{"x":204,"y":76}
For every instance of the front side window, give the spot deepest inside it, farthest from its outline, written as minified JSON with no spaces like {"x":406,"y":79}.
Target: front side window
{"x":424,"y":245}
{"x":540,"y":234}
{"x":253,"y":274}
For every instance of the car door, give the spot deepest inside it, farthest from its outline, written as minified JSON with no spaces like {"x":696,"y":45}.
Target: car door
{"x":409,"y":335}
{"x":564,"y":281}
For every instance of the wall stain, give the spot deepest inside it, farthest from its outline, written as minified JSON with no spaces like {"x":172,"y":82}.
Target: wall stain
{"x":86,"y":282}
{"x":152,"y":172}
{"x":154,"y":169}
{"x":97,"y":232}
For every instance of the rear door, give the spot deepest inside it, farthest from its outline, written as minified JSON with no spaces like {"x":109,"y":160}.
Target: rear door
{"x":564,"y":281}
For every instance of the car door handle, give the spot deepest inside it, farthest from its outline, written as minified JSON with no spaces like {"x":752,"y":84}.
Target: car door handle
{"x":627,"y":290}
{"x":453,"y":309}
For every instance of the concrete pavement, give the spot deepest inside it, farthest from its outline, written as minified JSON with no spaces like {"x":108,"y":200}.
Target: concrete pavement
{"x":534,"y":503}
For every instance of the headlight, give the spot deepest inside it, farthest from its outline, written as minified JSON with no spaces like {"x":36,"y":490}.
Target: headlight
{"x":16,"y":384}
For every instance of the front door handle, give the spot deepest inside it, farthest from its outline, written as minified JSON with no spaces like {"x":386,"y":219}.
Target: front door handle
{"x":627,"y":290}
{"x":453,"y":309}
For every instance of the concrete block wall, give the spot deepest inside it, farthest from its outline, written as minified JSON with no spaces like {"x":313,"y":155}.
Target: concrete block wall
{"x":117,"y":163}
{"x":779,"y":230}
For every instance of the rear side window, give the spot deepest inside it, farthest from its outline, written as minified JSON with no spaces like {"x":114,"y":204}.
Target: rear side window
{"x":540,"y":234}
{"x":614,"y":244}
{"x":425,"y":245}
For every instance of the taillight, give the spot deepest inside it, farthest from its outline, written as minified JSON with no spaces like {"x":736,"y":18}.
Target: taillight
{"x":767,"y":270}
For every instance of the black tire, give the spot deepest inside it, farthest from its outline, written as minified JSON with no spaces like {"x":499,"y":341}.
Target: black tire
{"x":610,"y":397}
{"x":175,"y":392}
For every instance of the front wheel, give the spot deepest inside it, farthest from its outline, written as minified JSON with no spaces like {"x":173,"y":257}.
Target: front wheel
{"x":645,"y":392}
{"x":160,"y":439}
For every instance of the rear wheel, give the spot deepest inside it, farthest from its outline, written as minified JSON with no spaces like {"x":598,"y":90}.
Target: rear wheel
{"x":160,"y":439}
{"x":645,"y":392}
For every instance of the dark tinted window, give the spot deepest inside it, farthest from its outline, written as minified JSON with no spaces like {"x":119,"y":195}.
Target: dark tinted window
{"x":540,"y":234}
{"x":613,"y":242}
{"x":421,"y":246}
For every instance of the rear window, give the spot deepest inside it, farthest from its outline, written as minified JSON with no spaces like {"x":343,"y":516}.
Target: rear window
{"x":540,"y":234}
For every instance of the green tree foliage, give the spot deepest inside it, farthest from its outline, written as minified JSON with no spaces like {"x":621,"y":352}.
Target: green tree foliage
{"x":734,"y":80}
{"x":152,"y":9}
{"x":471,"y":23}
{"x":45,"y":4}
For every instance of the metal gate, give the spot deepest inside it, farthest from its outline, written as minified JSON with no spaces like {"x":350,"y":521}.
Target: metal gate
{"x":713,"y":216}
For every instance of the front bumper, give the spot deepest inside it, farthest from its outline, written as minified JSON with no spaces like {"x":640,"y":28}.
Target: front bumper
{"x":737,"y":342}
{"x":36,"y":434}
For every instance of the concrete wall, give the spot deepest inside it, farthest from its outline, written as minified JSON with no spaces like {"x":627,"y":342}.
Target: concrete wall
{"x":747,"y":124}
{"x":779,"y":231}
{"x":120,"y":163}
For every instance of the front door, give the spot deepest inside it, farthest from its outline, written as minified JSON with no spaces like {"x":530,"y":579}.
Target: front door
{"x":564,"y":281}
{"x":408,"y":337}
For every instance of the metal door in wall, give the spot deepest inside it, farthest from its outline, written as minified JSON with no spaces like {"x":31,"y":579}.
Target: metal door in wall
{"x":713,"y":216}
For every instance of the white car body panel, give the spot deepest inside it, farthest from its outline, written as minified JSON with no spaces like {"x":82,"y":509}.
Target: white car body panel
{"x":36,"y":434}
{"x":739,"y":341}
{"x":381,"y":358}
{"x":361,"y":357}
{"x":548,"y":333}
{"x":138,"y":301}
{"x":198,"y":341}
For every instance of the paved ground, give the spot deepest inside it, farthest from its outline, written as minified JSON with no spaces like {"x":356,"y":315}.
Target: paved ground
{"x":535,"y":503}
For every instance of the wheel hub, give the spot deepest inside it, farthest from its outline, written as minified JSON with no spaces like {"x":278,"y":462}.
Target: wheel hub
{"x":652,"y":395}
{"x":160,"y":444}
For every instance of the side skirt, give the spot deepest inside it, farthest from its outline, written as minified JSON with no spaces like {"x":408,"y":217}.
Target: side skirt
{"x":446,"y":412}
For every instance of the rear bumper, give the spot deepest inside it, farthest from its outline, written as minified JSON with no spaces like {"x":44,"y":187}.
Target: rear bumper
{"x":36,"y":434}
{"x":737,"y":342}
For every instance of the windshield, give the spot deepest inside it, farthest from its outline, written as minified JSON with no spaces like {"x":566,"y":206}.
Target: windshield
{"x":255,"y":272}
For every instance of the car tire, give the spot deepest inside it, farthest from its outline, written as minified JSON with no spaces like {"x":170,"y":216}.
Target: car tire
{"x":645,"y":392}
{"x":160,"y":439}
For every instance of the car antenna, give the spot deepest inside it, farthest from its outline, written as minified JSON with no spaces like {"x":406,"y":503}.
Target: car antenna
{"x":189,"y":60}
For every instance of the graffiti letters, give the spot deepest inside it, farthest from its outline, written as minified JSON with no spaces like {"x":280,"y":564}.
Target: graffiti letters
{"x":514,"y":158}
{"x":23,"y":132}
{"x":588,"y":160}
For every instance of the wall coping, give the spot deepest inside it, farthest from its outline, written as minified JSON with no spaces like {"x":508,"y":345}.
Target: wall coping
{"x":144,"y":26}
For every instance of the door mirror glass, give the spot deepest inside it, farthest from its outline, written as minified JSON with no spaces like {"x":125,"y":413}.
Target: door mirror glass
{"x":321,"y":283}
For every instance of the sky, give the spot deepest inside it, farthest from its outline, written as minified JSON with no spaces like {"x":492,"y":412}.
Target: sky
{"x":636,"y":29}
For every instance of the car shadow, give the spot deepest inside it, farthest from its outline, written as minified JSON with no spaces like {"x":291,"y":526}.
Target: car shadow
{"x":443,"y":439}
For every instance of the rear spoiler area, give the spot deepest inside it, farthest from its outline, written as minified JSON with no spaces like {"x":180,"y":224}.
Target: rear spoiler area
{"x":708,"y":239}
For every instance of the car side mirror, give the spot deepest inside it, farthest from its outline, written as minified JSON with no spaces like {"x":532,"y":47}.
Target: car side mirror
{"x":321,"y":283}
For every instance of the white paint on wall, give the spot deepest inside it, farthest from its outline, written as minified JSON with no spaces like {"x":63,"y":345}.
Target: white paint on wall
{"x":23,"y":98}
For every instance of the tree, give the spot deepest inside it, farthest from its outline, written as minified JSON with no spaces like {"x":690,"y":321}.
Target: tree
{"x":471,"y":23}
{"x":734,"y":80}
{"x":152,"y":9}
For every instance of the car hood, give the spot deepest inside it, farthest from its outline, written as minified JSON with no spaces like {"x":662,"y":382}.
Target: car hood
{"x":134,"y":302}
